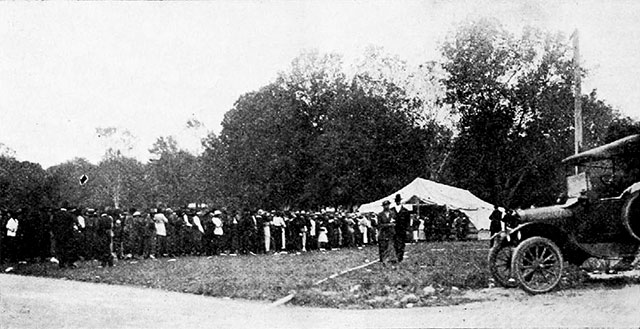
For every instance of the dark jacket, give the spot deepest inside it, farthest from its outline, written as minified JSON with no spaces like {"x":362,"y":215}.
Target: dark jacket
{"x":386,"y":225}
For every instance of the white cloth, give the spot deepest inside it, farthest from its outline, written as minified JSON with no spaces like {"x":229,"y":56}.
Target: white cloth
{"x":186,"y":221}
{"x":398,"y":207}
{"x":81,"y":221}
{"x":217,"y":223}
{"x":196,"y":222}
{"x":322,"y":237}
{"x":159,"y":220}
{"x":267,"y":238}
{"x":12,"y":227}
{"x":312,"y":230}
{"x":279,"y":221}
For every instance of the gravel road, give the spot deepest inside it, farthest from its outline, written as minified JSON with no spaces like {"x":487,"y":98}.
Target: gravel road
{"x":30,"y":302}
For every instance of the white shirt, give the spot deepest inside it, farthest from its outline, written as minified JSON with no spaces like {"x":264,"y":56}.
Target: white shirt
{"x":217,"y":222}
{"x":279,"y":221}
{"x":12,"y":227}
{"x":81,"y":221}
{"x":312,"y":230}
{"x":196,"y":222}
{"x":186,"y":221}
{"x":159,"y":220}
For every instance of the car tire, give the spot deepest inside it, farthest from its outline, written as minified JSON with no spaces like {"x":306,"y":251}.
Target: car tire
{"x":537,"y":264}
{"x":500,"y":265}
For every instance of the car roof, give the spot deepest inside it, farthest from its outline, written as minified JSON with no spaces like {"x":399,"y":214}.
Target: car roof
{"x":624,"y":147}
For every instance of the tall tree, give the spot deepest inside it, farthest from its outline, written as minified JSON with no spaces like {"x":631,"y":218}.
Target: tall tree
{"x":314,"y":138}
{"x":66,"y":182}
{"x":176,"y":173}
{"x":515,"y":100}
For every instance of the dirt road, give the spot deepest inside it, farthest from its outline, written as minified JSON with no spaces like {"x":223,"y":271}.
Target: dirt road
{"x":29,"y":302}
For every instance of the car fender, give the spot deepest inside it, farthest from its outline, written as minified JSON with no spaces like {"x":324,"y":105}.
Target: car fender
{"x":632,"y":189}
{"x":527,"y":230}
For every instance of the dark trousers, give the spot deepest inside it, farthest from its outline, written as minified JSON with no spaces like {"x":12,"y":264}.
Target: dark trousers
{"x":145,"y":244}
{"x":208,"y":243}
{"x":66,"y":251}
{"x":248,"y":242}
{"x":105,"y":243}
{"x":216,"y":244}
{"x":386,"y":251}
{"x":398,"y":243}
{"x":161,"y":245}
{"x":10,"y":249}
{"x":277,"y":238}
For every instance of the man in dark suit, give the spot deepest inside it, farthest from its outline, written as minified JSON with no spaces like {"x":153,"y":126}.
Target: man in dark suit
{"x":386,"y":234}
{"x":496,"y":223}
{"x":248,"y":227}
{"x":63,"y":233}
{"x":402,"y":217}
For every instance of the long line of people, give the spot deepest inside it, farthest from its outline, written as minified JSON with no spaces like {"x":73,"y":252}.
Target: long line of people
{"x":68,"y":234}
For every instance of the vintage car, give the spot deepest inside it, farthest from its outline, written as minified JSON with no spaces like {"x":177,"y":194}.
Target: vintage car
{"x":599,"y":218}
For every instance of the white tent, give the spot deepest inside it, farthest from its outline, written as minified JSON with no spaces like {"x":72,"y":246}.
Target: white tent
{"x":430,"y":192}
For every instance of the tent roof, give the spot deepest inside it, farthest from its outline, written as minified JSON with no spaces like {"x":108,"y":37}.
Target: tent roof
{"x":430,"y":192}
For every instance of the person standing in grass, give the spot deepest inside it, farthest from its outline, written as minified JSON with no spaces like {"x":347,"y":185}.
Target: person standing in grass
{"x":248,"y":231}
{"x":266,"y":230}
{"x":496,"y":223}
{"x":217,"y":232}
{"x":148,"y":233}
{"x":65,"y":248}
{"x":105,"y":239}
{"x":402,"y":218}
{"x":11,"y":238}
{"x":387,"y":233}
{"x":278,"y":225}
{"x":160,"y":221}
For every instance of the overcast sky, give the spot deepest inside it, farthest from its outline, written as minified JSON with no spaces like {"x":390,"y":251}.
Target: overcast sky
{"x":67,"y":68}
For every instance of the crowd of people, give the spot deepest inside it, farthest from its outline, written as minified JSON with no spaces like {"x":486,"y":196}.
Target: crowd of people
{"x":68,"y":234}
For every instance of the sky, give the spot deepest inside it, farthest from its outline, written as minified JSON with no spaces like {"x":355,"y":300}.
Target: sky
{"x":67,"y":68}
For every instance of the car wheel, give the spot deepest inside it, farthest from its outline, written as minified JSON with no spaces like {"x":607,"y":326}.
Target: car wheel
{"x":500,"y":265}
{"x":537,"y":265}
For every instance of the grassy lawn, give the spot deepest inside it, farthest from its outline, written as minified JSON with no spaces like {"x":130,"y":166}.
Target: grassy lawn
{"x":433,"y":274}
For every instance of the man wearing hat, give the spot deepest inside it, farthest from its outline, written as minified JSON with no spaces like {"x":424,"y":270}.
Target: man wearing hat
{"x":217,"y":232}
{"x":387,"y":232}
{"x":402,"y":217}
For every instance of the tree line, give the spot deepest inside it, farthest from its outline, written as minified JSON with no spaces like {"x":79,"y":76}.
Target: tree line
{"x":494,"y":115}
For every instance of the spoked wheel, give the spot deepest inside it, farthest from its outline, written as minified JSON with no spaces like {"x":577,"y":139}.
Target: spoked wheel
{"x":537,"y":265}
{"x":500,"y":265}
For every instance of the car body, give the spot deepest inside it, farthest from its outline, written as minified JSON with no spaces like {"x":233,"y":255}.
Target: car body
{"x":596,"y":220}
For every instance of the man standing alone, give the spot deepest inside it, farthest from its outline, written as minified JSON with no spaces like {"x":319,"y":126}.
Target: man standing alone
{"x":386,"y":227}
{"x":496,"y":225}
{"x":402,"y":218}
{"x":11,"y":239}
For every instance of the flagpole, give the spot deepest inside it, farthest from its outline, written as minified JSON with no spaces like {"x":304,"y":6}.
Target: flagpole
{"x":578,"y":133}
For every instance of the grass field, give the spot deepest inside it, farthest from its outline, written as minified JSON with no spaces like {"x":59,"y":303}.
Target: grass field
{"x":432,"y":274}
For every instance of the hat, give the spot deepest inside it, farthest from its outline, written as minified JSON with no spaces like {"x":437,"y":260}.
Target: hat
{"x":217,"y":213}
{"x":386,"y":203}
{"x":398,"y":197}
{"x":137,"y":213}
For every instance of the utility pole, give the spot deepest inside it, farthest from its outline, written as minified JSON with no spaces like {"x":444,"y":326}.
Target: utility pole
{"x":577,"y":93}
